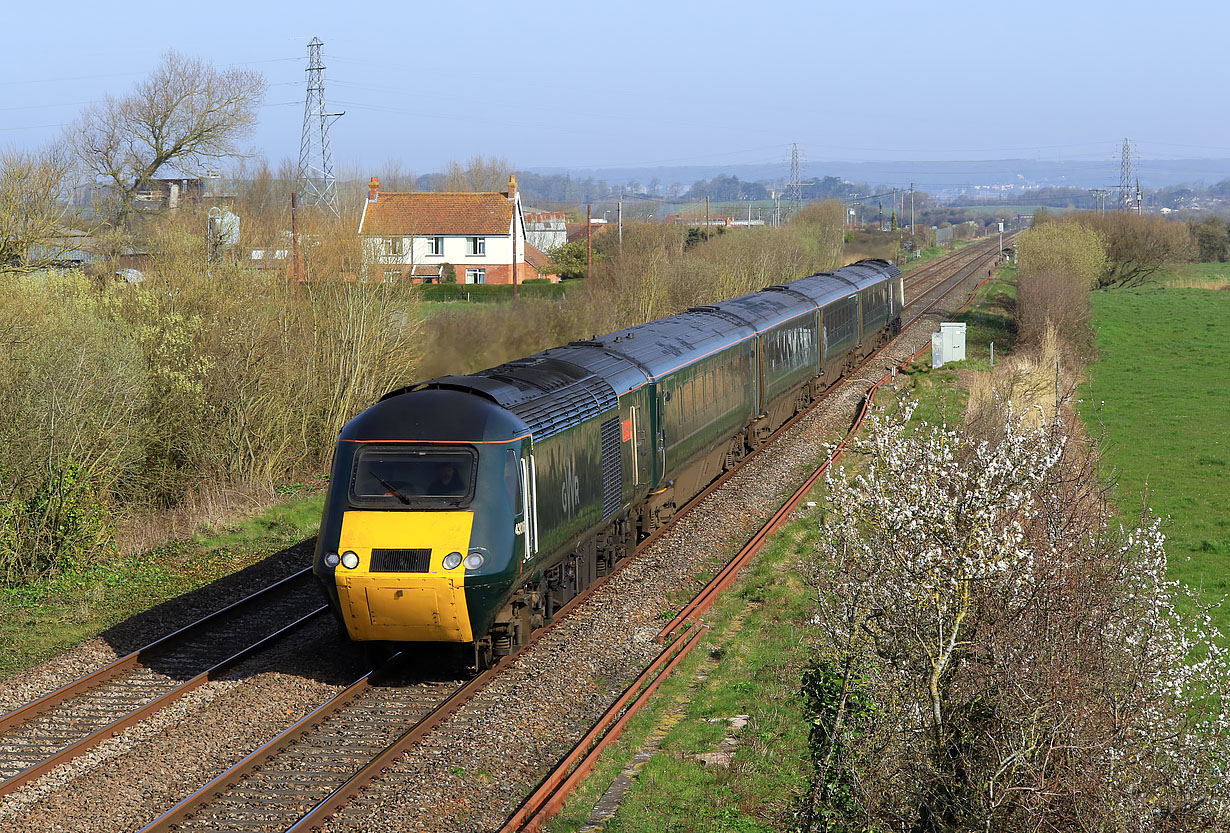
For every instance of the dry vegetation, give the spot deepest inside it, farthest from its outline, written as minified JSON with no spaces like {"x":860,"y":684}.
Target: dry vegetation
{"x":657,"y":274}
{"x":207,"y":378}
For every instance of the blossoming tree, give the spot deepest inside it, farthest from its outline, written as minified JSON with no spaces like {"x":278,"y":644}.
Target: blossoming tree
{"x":997,"y":653}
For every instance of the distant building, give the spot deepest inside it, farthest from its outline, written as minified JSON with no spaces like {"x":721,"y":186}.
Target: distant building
{"x":411,"y":235}
{"x":169,"y":193}
{"x":546,"y":229}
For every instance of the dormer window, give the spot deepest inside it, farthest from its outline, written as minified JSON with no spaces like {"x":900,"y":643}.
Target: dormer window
{"x":476,"y":245}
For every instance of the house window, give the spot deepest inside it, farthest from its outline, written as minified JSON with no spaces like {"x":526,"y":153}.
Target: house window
{"x":476,"y":245}
{"x":393,"y":246}
{"x":476,"y":276}
{"x":435,"y":246}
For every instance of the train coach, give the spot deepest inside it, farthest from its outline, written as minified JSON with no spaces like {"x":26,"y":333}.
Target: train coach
{"x":469,"y":509}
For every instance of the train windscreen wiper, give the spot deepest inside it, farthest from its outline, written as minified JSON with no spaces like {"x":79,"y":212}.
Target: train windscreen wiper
{"x":396,"y":492}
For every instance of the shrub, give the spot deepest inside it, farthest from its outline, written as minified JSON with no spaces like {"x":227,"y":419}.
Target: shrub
{"x":1059,"y":263}
{"x":64,"y":523}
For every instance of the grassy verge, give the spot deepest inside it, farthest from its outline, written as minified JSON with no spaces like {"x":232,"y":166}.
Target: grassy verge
{"x":1155,"y":394}
{"x":757,"y":650}
{"x":942,"y":392}
{"x":749,"y":664}
{"x":44,"y":618}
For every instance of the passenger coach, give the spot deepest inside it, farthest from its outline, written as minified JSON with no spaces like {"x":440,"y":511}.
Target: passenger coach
{"x":468,"y":509}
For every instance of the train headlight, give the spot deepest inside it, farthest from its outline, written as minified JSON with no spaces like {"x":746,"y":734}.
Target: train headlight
{"x":452,"y":560}
{"x":333,"y":559}
{"x":350,"y":559}
{"x":474,"y":560}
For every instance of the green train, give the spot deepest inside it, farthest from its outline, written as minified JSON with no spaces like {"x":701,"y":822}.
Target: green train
{"x":469,"y":509}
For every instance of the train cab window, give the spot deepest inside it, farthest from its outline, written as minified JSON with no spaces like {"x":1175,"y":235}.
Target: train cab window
{"x":399,"y":476}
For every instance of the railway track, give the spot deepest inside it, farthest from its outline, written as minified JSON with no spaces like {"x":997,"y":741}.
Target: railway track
{"x":61,"y":725}
{"x":320,"y":764}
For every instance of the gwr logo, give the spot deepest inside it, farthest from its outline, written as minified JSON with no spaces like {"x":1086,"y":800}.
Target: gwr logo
{"x":570,"y":489}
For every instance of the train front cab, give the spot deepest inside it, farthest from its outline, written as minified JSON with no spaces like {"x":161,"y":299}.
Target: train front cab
{"x":425,"y":521}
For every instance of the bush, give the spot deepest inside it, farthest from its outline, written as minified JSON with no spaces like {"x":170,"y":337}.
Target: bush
{"x":1012,"y":658}
{"x":64,"y":523}
{"x":1059,"y":263}
{"x":1137,"y":246}
{"x":488,"y":293}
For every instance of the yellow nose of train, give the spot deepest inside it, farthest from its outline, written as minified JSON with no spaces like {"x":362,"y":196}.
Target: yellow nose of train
{"x":400,"y":589}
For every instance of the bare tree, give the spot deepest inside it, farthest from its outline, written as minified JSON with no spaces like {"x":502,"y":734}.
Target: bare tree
{"x":34,"y":204}
{"x":479,"y":174}
{"x":186,"y":112}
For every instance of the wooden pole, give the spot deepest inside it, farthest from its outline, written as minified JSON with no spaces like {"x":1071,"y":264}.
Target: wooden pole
{"x":295,"y":267}
{"x":589,"y":241}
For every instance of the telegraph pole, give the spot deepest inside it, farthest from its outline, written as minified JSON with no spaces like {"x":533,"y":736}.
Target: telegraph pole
{"x":619,"y":220}
{"x":589,"y":241}
{"x":911,"y":208}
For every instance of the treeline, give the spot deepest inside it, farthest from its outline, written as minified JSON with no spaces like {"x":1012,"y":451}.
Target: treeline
{"x":1062,"y":260}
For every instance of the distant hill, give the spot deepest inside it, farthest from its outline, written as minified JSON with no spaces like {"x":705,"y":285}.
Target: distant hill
{"x":931,"y":176}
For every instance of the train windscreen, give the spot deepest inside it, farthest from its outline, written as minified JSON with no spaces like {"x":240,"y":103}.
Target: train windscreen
{"x":391,"y":476}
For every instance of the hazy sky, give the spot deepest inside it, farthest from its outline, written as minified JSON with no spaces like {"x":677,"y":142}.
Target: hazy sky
{"x":604,"y":84}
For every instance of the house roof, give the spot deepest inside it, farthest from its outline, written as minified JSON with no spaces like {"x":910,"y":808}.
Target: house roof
{"x":538,"y":259}
{"x":427,"y":212}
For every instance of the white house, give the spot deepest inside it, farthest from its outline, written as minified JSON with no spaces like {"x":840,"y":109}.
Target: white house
{"x":413,"y":235}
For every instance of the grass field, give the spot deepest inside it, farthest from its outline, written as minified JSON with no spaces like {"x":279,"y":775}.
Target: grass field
{"x":1158,"y":396}
{"x":1195,"y":276}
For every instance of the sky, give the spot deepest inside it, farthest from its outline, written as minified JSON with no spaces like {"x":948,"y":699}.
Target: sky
{"x":589,"y":84}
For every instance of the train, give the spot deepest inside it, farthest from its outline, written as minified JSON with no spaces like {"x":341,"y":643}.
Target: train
{"x":470,"y":509}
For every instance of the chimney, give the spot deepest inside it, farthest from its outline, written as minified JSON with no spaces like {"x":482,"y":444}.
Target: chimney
{"x":373,"y":190}
{"x":512,"y":186}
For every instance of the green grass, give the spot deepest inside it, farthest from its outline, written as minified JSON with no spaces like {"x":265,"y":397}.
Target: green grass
{"x":752,"y":660}
{"x":44,"y":618}
{"x":1194,"y":275}
{"x":1157,"y":394}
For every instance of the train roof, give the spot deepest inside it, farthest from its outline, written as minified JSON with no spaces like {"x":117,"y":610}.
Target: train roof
{"x":765,"y":310}
{"x":557,"y":388}
{"x":826,"y":287}
{"x":433,"y":415}
{"x":662,"y":346}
